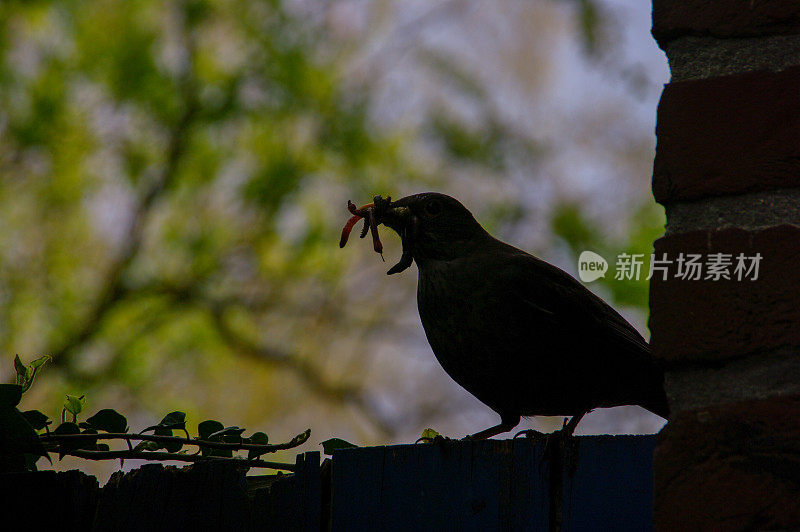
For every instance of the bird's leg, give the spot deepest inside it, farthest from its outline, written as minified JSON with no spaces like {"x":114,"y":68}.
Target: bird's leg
{"x":566,"y":430}
{"x":531,"y":434}
{"x":553,"y":440}
{"x":506,"y":423}
{"x":570,"y":427}
{"x":565,"y":444}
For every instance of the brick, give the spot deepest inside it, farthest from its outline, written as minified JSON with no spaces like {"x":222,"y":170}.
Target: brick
{"x":767,"y":373}
{"x":724,"y":18}
{"x":732,"y":467}
{"x":728,"y":135}
{"x":709,"y":320}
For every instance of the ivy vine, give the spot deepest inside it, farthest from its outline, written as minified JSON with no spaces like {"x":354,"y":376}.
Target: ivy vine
{"x":26,"y":437}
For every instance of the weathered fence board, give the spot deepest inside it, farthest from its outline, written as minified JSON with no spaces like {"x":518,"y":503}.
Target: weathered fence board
{"x":48,"y":500}
{"x":452,"y":485}
{"x":157,"y":498}
{"x":597,"y":483}
{"x":612,"y":486}
{"x":592,"y":483}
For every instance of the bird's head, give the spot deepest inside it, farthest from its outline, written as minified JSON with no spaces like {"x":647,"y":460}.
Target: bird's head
{"x":432,"y":227}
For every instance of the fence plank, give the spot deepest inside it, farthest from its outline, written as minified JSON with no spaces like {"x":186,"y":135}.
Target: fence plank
{"x":612,"y":486}
{"x":155,"y":497}
{"x":589,"y":483}
{"x":449,"y":485}
{"x":598,"y":482}
{"x":50,"y":500}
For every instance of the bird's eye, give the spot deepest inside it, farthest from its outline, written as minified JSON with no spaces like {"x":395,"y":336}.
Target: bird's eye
{"x":433,"y":207}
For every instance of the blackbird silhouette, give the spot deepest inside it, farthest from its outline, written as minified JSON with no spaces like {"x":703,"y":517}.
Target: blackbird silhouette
{"x":518,"y":333}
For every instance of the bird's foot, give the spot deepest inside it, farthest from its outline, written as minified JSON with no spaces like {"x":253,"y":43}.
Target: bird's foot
{"x":561,"y":449}
{"x":531,"y":434}
{"x":507,"y":422}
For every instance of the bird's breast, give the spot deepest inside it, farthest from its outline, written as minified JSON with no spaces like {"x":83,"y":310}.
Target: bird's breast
{"x":456,"y":325}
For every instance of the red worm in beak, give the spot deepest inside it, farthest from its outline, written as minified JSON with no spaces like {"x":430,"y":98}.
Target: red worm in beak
{"x":347,"y":228}
{"x":370,"y":223}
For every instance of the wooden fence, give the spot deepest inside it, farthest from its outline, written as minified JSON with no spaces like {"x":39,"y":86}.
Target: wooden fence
{"x":595,"y":483}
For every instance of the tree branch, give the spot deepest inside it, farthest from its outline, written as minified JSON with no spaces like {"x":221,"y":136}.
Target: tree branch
{"x":342,"y":394}
{"x":338,"y":393}
{"x":113,"y":289}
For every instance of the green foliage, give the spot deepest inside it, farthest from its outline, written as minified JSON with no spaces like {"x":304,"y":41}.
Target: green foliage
{"x":10,"y":395}
{"x":211,"y":430}
{"x":570,"y":223}
{"x":332,"y":444}
{"x":73,"y":405}
{"x":21,"y":445}
{"x":209,"y":427}
{"x":204,"y":143}
{"x":18,"y":440}
{"x":170,"y":422}
{"x":258,"y":438}
{"x":173,"y":183}
{"x":108,"y":420}
{"x":462,"y":143}
{"x":428,"y":434}
{"x":173,"y":420}
{"x":589,"y":19}
{"x":67,"y":428}
{"x":223,"y":434}
{"x":36,"y":419}
{"x":26,"y":374}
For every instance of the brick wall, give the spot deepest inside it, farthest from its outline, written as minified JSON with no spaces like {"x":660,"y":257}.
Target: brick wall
{"x":727,"y":170}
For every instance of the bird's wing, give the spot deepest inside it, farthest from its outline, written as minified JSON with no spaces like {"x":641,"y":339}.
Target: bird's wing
{"x":561,"y":328}
{"x":547,"y":293}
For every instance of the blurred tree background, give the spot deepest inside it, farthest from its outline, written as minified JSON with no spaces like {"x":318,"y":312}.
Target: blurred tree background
{"x":173,"y":180}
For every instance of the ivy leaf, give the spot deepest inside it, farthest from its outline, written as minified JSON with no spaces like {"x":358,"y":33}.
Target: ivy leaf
{"x":172,"y":447}
{"x":108,"y":420}
{"x":428,"y":434}
{"x":17,"y":436}
{"x":328,"y":446}
{"x":174,"y":420}
{"x":25,"y":375}
{"x":74,"y":405}
{"x":228,"y":431}
{"x":10,"y":395}
{"x":209,"y":427}
{"x":33,"y":367}
{"x":65,"y":428}
{"x":39,"y":362}
{"x":212,"y":430}
{"x":22,"y":371}
{"x":301,"y":438}
{"x":258,"y":438}
{"x":37,"y":420}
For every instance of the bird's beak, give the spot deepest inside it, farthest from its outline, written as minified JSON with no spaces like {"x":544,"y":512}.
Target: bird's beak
{"x":395,"y":218}
{"x":398,"y":217}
